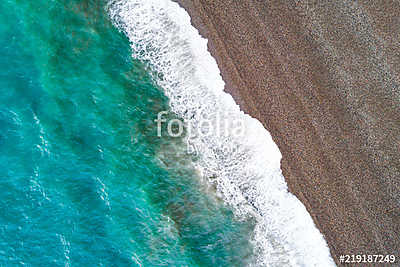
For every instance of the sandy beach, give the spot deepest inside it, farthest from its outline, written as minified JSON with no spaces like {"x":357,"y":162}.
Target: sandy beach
{"x":324,"y":79}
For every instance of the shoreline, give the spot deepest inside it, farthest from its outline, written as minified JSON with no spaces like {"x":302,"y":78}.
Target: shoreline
{"x":330,"y":104}
{"x":244,"y":167}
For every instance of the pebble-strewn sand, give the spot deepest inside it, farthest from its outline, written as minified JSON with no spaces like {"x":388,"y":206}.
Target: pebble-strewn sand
{"x":324,"y":78}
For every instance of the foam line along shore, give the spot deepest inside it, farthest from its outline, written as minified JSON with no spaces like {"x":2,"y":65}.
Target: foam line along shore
{"x":246,"y":169}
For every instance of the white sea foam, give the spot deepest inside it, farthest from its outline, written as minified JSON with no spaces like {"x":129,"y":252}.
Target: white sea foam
{"x":245,"y":170}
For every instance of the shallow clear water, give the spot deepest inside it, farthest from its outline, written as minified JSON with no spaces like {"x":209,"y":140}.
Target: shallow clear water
{"x":84,"y":180}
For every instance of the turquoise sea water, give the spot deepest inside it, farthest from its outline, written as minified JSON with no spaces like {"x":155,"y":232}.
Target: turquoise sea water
{"x":84,"y":180}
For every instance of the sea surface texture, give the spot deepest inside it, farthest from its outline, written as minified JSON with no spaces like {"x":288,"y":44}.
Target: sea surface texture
{"x":84,"y":181}
{"x":85,"y":178}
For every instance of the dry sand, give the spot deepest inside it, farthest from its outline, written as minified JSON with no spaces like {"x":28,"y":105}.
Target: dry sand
{"x":323,"y":77}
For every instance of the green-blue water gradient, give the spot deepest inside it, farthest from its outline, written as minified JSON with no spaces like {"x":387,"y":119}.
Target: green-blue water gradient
{"x":81,"y":180}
